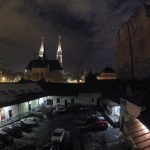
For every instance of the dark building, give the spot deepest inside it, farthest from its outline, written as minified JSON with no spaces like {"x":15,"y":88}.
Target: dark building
{"x":45,"y":69}
{"x":133,"y":46}
{"x":107,"y":74}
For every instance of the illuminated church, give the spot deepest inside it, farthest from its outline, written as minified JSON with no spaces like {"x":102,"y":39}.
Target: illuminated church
{"x":46,"y":69}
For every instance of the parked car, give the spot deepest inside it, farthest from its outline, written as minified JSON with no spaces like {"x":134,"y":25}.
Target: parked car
{"x":37,"y":114}
{"x":6,"y":138}
{"x":58,"y":135}
{"x":99,"y":116}
{"x":73,"y":108}
{"x":93,"y":118}
{"x":13,"y":130}
{"x":30,"y":121}
{"x":99,"y":125}
{"x":60,"y":109}
{"x":51,"y":146}
{"x":23,"y":127}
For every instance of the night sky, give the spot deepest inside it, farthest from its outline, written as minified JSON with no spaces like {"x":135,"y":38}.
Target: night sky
{"x":87,"y":27}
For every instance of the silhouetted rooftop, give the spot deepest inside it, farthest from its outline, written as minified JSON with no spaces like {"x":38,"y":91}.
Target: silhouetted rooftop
{"x":108,"y":70}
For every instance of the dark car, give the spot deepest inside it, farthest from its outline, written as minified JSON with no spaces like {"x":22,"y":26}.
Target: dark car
{"x":51,"y":146}
{"x":99,"y":125}
{"x":5,"y":137}
{"x":73,"y":108}
{"x":60,"y":109}
{"x":13,"y":130}
{"x":30,"y":121}
{"x":23,"y":127}
{"x":93,"y":118}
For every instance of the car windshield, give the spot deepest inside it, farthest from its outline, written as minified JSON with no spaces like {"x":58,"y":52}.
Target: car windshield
{"x":57,"y":134}
{"x":53,"y":147}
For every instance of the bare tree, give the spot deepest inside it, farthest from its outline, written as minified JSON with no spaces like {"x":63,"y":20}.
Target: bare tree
{"x":78,"y":71}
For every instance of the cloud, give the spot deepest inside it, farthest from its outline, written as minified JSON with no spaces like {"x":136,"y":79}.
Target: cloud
{"x":88,"y":29}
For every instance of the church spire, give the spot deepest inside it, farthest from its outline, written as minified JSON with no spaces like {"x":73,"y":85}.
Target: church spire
{"x":41,"y":51}
{"x":59,"y":51}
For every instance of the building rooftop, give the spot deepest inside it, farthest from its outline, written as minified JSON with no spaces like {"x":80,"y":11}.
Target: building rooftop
{"x":108,"y":70}
{"x":12,"y":93}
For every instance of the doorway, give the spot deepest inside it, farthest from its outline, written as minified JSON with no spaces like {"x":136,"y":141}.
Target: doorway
{"x":65,"y":102}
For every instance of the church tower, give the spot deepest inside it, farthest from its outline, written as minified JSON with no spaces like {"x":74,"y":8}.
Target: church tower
{"x":42,"y":51}
{"x":59,"y":52}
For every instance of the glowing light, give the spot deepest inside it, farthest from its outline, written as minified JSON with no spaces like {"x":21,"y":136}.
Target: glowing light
{"x":41,"y":100}
{"x":3,"y":79}
{"x":41,"y":52}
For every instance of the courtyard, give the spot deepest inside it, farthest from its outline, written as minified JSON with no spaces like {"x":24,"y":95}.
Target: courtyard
{"x":78,"y":136}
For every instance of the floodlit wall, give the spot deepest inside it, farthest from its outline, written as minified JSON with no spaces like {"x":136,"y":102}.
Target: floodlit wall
{"x":34,"y":104}
{"x":23,"y":108}
{"x":13,"y":109}
{"x":13,"y":113}
{"x":129,"y":111}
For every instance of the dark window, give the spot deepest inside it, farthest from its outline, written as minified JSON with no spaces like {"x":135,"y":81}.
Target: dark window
{"x":50,"y":102}
{"x":72,"y":100}
{"x":92,"y":99}
{"x":66,"y":103}
{"x":58,"y":100}
{"x":10,"y":113}
{"x":29,"y":106}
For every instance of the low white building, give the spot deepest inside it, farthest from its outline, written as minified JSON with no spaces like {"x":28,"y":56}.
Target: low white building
{"x":17,"y":100}
{"x":70,"y":94}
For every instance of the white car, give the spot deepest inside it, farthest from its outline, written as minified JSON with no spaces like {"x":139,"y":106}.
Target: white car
{"x":60,"y":109}
{"x":58,"y":135}
{"x":32,"y":121}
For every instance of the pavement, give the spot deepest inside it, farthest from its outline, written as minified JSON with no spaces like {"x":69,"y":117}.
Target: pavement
{"x":80,"y":137}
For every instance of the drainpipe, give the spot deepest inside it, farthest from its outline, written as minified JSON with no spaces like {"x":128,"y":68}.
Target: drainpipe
{"x":131,"y":54}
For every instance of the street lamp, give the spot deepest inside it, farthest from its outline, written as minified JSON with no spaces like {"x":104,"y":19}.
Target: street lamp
{"x":3,"y":79}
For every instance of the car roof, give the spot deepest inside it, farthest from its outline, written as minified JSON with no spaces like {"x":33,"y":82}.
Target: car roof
{"x":101,"y":121}
{"x":59,"y":130}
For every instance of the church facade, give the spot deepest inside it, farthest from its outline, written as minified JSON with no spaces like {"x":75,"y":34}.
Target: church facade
{"x":45,"y":69}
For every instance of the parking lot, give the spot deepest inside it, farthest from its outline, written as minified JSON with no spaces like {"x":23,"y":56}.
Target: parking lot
{"x":80,"y":137}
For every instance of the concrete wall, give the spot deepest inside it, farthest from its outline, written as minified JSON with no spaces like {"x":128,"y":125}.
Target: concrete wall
{"x":23,"y":108}
{"x":14,"y":109}
{"x":19,"y":110}
{"x":128,"y":112}
{"x":110,"y":106}
{"x":137,"y":36}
